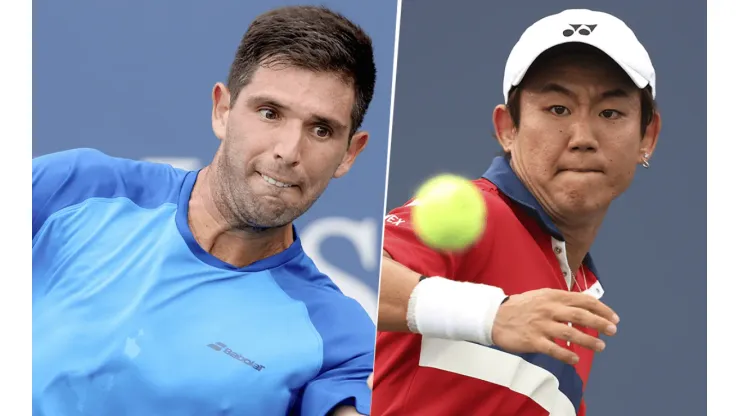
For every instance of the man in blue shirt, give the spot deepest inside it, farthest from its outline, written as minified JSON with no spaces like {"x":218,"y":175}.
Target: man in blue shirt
{"x":158,"y":291}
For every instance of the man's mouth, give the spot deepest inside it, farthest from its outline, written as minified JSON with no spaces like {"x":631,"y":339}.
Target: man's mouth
{"x":582,"y":170}
{"x":275,"y":182}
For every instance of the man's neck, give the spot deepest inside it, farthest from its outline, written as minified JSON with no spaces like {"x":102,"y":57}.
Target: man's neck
{"x":578,"y":241}
{"x":579,"y":234}
{"x":218,"y":236}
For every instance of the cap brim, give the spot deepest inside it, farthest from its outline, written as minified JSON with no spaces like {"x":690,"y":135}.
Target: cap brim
{"x":638,"y":79}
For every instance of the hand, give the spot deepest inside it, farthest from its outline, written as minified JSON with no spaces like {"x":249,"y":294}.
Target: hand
{"x":346,"y":411}
{"x":528,"y":323}
{"x":370,"y":381}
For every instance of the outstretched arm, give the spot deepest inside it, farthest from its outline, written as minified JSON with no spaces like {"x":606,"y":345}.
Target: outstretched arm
{"x":397,"y":282}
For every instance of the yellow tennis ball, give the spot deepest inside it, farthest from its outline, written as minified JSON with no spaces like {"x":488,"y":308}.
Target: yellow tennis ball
{"x":449,"y":213}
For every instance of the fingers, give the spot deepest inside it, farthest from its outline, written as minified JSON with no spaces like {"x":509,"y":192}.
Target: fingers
{"x":568,"y":333}
{"x":589,"y":303}
{"x":546,"y":346}
{"x":586,"y":318}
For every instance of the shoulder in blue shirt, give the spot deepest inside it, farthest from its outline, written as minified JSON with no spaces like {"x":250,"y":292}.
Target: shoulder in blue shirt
{"x":70,"y":177}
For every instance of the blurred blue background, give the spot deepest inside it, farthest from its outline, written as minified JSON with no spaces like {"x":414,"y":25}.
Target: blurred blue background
{"x":134,"y":78}
{"x":651,"y":251}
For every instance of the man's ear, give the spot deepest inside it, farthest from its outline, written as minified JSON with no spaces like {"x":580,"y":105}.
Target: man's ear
{"x":503,"y":123}
{"x":650,"y":139}
{"x":221,"y":105}
{"x":356,"y":146}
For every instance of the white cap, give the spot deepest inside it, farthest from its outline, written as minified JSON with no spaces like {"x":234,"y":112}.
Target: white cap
{"x":600,"y":30}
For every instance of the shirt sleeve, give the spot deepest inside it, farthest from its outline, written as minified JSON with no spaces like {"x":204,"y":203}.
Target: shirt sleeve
{"x":348,"y":362}
{"x":49,"y":173}
{"x":66,"y":178}
{"x":471,"y":265}
{"x":402,"y":244}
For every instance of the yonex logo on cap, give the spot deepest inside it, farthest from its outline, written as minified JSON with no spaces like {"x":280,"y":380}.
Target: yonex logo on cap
{"x":584,"y":30}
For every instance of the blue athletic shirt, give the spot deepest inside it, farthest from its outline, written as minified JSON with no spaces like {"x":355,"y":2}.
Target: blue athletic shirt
{"x":132,"y":317}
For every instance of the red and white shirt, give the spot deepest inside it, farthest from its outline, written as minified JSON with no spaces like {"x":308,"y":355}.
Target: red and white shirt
{"x":521,"y":250}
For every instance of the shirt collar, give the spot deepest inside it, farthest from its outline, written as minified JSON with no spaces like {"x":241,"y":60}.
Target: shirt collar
{"x":502,"y":175}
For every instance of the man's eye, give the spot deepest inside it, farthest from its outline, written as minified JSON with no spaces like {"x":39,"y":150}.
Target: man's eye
{"x":321,"y":132}
{"x":268,"y":113}
{"x":611,"y":114}
{"x":559,"y":110}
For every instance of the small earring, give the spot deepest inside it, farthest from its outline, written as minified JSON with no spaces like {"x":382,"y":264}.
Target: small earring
{"x":645,"y":162}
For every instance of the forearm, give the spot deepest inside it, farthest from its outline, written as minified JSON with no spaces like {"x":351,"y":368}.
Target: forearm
{"x":396,"y":284}
{"x":442,"y":308}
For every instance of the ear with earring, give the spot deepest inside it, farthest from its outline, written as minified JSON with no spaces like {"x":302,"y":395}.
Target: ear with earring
{"x":645,"y":157}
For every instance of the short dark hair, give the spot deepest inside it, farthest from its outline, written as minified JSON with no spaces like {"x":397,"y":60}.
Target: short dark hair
{"x":308,"y":37}
{"x":648,"y":105}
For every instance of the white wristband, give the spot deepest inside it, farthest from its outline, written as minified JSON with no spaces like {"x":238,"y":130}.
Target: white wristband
{"x":462,"y":311}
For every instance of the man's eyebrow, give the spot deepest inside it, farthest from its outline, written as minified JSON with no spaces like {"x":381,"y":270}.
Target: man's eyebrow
{"x":335,"y":124}
{"x":256,"y":100}
{"x":557,"y":88}
{"x":615,"y":93}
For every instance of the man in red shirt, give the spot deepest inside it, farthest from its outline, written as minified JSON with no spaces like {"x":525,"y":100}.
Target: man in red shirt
{"x":510,"y":326}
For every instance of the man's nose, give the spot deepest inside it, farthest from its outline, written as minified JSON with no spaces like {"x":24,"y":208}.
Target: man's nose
{"x":582,"y":137}
{"x":287,"y":145}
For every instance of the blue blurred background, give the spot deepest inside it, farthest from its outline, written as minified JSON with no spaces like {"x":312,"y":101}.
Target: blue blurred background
{"x":651,"y":252}
{"x":133,"y":79}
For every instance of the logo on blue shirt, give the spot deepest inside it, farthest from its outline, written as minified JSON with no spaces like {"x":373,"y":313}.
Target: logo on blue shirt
{"x":220,"y":346}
